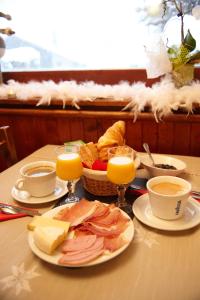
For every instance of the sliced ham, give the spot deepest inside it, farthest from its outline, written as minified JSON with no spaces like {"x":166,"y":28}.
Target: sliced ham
{"x":111,"y":231}
{"x":101,"y":210}
{"x":113,"y":244}
{"x":112,"y":225}
{"x":98,"y":244}
{"x":109,"y":219}
{"x":84,"y":255}
{"x":111,"y":206}
{"x":78,"y":212}
{"x":80,"y":259}
{"x":79,"y":243}
{"x":97,"y":227}
{"x":79,"y":232}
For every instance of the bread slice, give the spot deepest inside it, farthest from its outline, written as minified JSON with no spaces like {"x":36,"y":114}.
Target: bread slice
{"x":89,"y":154}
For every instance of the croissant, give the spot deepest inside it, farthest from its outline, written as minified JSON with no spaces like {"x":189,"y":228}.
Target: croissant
{"x":114,"y":136}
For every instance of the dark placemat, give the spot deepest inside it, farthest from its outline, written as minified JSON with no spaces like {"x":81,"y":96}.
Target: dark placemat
{"x":130,"y":196}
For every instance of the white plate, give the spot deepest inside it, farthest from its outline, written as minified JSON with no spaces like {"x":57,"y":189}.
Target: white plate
{"x":53,"y":259}
{"x":191,"y":217}
{"x":21,"y":196}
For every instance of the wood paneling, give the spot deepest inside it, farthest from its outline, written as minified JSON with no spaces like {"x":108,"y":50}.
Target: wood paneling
{"x":90,"y":130}
{"x":181,"y":143}
{"x":195,"y":139}
{"x":65,"y":133}
{"x":33,"y":128}
{"x":98,"y":76}
{"x":134,"y":134}
{"x":165,"y":137}
{"x":76,"y":129}
{"x":150,"y":134}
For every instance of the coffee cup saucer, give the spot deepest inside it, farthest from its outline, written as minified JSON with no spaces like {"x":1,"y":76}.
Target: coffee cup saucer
{"x":191,"y":217}
{"x":25,"y":197}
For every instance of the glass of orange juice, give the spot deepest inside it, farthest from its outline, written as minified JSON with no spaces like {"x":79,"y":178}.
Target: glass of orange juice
{"x":69,"y":168}
{"x":121,"y":171}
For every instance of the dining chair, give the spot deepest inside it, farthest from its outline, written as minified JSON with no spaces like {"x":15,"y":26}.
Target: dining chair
{"x":7,"y":147}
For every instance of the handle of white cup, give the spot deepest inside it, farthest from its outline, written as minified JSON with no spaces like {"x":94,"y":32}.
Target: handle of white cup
{"x":19,"y":184}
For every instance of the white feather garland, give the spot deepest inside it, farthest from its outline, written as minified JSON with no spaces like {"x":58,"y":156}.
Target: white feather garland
{"x":161,"y":98}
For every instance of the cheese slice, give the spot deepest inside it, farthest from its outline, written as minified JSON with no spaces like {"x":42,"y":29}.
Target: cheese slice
{"x":46,"y":221}
{"x":47,"y":238}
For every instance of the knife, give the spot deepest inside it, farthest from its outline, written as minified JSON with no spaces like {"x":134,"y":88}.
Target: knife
{"x":17,"y":209}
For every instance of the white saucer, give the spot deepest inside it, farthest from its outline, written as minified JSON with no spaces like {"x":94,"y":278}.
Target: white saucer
{"x":191,"y":217}
{"x":24,"y":197}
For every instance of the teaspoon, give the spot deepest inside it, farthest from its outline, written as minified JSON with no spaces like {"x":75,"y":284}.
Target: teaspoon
{"x":14,"y":210}
{"x":146,"y":148}
{"x":8,"y":210}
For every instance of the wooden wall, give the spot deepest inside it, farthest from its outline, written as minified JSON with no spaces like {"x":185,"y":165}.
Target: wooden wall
{"x":98,"y":76}
{"x":33,"y":128}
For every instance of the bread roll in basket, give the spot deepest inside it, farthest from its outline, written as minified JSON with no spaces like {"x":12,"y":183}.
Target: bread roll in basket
{"x":95,"y":181}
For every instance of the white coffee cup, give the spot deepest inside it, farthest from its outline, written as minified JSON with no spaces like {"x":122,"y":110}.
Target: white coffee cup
{"x":168,"y":196}
{"x":37,"y":178}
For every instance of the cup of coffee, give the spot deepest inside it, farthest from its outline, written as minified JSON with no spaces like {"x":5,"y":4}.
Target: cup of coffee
{"x":168,"y":196}
{"x":37,"y":178}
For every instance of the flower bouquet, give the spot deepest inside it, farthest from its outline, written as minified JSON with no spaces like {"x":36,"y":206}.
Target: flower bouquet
{"x":180,"y":60}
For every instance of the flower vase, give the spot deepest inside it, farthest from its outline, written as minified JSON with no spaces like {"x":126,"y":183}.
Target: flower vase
{"x":183,"y":75}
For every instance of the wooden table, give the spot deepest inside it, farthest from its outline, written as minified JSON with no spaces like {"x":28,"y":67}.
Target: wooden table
{"x":158,"y":265}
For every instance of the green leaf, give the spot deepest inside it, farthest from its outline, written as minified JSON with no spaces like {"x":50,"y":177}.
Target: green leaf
{"x":189,"y":42}
{"x":171,"y":51}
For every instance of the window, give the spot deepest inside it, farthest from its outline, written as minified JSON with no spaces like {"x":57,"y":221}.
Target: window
{"x":78,"y":34}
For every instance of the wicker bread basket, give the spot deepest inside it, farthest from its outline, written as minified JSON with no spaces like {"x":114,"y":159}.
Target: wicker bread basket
{"x":96,"y":182}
